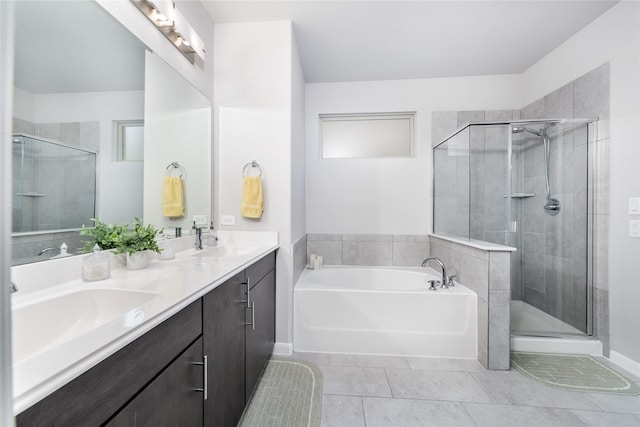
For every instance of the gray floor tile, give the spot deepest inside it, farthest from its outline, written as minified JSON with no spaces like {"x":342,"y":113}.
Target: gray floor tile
{"x":456,"y":386}
{"x":418,"y":413}
{"x":315,"y":358}
{"x":369,"y":361}
{"x":521,"y":416}
{"x":342,"y":411}
{"x":628,"y":375}
{"x":513,"y":388}
{"x":352,"y":381}
{"x":616,"y":402}
{"x":597,"y":418}
{"x":440,"y":364}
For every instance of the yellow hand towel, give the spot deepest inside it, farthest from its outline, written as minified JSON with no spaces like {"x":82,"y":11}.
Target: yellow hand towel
{"x":252,"y":199}
{"x":172,"y":197}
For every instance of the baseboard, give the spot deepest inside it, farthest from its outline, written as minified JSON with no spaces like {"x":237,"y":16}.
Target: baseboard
{"x":625,"y":363}
{"x":283,"y":348}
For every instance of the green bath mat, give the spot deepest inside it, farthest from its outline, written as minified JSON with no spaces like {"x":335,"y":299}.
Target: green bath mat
{"x":289,"y":394}
{"x":573,"y":372}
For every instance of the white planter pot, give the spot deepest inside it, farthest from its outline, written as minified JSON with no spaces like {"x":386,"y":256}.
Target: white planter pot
{"x":138,"y":260}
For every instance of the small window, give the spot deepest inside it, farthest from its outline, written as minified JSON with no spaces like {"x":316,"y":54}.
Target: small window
{"x":130,"y":142}
{"x":345,"y":136}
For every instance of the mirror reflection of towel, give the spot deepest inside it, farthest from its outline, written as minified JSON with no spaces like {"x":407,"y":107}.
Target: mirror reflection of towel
{"x":252,"y":199}
{"x":172,"y":197}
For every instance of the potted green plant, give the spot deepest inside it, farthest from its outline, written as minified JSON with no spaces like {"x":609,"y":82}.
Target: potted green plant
{"x":136,"y":243}
{"x":106,"y":236}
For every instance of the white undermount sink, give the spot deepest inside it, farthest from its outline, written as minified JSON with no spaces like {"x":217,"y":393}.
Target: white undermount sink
{"x":40,"y":325}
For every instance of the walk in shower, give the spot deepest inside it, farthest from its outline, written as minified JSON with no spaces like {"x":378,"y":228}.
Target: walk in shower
{"x":54,"y":185}
{"x":526,"y":184}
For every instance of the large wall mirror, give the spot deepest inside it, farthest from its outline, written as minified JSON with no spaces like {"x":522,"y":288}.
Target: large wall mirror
{"x":79,"y":111}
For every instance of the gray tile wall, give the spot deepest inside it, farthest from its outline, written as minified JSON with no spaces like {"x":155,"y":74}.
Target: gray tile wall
{"x":299,"y":257}
{"x":369,"y":249}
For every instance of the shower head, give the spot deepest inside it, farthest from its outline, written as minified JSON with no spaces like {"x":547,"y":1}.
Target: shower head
{"x":536,"y":132}
{"x":519,"y":129}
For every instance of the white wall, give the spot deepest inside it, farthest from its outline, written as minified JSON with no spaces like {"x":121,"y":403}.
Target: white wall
{"x":614,"y":37}
{"x":119,"y":183}
{"x":252,"y":110}
{"x":298,"y":227}
{"x":387,"y":196}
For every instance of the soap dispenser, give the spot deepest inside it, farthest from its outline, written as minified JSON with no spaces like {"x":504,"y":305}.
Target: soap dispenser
{"x":96,"y":266}
{"x":63,"y":251}
{"x":212,"y":238}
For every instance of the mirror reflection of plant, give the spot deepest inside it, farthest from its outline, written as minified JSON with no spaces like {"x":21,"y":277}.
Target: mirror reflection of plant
{"x":140,"y":238}
{"x":106,"y":236}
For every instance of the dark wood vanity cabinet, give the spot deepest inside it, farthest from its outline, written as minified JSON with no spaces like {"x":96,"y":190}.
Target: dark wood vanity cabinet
{"x":260,"y":332}
{"x":174,"y":398}
{"x":158,"y":379}
{"x":223,"y":325}
{"x":239,"y":335}
{"x":96,"y":396}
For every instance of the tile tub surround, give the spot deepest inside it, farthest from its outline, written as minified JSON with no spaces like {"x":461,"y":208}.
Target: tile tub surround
{"x":369,"y":249}
{"x":486,"y":270}
{"x":422,"y":391}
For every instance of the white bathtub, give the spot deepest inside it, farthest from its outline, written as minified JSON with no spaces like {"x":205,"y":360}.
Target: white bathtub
{"x":383,"y":310}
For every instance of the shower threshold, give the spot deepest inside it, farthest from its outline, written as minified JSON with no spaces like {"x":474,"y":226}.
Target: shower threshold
{"x":536,"y":331}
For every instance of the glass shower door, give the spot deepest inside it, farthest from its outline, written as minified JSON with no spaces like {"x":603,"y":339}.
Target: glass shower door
{"x":549,"y":224}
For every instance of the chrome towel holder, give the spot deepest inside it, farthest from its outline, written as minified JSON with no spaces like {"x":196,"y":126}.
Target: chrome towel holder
{"x":175,"y":165}
{"x":247,"y":168}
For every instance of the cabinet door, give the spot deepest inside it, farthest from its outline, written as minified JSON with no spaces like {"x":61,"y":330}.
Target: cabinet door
{"x":260,"y":334}
{"x":172,"y":398}
{"x":223,"y":332}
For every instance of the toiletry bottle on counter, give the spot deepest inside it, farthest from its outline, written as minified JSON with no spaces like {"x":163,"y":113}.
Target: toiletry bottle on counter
{"x":212,"y":238}
{"x":96,"y":266}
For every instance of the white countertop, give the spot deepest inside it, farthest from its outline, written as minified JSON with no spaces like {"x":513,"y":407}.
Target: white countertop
{"x":175,"y":284}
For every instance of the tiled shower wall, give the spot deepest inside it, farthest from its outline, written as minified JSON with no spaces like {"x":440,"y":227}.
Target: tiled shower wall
{"x":545,"y":260}
{"x":80,"y":134}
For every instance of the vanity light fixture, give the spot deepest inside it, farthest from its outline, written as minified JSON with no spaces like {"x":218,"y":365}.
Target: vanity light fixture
{"x":167,"y":19}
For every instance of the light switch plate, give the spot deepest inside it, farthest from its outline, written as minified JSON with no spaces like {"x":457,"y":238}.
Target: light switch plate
{"x":634,"y":205}
{"x":634,"y":228}
{"x":227,"y":220}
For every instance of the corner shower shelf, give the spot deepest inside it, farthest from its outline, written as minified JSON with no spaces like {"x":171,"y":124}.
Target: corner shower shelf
{"x":30,"y":194}
{"x":519,"y":195}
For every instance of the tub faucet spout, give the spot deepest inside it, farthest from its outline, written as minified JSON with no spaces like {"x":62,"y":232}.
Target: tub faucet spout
{"x":444,"y":283}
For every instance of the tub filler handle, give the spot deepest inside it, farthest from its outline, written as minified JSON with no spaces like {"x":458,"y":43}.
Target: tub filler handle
{"x":450,"y":280}
{"x":432,"y":284}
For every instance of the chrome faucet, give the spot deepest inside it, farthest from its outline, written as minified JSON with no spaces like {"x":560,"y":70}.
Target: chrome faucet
{"x":198,"y":243}
{"x":44,"y":251}
{"x":445,"y":282}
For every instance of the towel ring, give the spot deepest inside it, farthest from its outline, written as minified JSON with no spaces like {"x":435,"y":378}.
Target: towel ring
{"x":247,"y":167}
{"x":175,"y":165}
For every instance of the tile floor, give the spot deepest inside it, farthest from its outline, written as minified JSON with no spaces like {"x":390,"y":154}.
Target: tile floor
{"x":413,"y":391}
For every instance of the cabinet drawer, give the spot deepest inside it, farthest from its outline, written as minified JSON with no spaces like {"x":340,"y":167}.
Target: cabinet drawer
{"x":260,"y":268}
{"x":96,"y":395}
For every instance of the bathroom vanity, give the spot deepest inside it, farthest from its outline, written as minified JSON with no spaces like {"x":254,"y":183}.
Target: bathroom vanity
{"x":199,"y":361}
